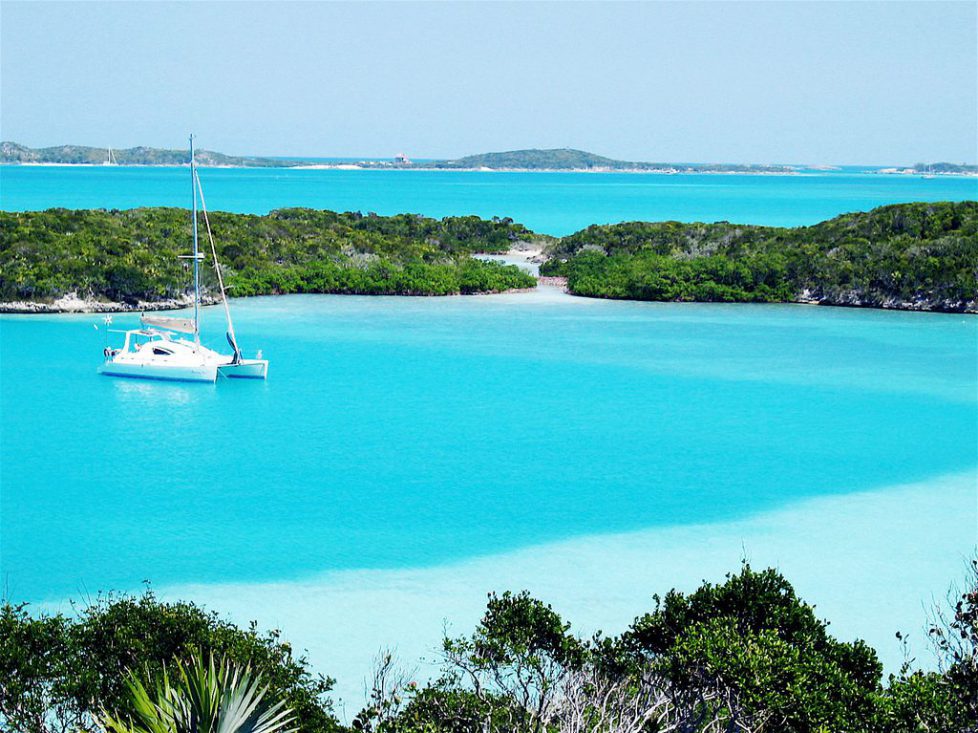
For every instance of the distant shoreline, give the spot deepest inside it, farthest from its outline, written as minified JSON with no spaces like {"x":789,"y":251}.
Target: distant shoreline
{"x":531,"y":160}
{"x":72,"y":304}
{"x":814,"y":171}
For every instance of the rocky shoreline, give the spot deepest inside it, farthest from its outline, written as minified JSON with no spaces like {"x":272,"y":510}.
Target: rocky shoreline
{"x":72,"y":303}
{"x":855,"y":300}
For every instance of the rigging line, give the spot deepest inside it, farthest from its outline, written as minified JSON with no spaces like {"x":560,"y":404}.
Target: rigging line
{"x":217,"y":266}
{"x":193,"y":191}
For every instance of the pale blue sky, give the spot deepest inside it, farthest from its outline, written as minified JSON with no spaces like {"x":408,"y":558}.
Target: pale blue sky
{"x":835,"y":83}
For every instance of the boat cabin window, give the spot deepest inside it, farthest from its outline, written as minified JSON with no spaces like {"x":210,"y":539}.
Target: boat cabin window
{"x":161,"y":352}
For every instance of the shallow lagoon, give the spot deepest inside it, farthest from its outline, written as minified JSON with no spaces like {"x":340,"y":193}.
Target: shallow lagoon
{"x":405,"y":454}
{"x":870,"y":562}
{"x":408,"y":455}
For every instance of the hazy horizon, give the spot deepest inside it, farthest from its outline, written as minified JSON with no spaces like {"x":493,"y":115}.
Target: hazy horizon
{"x":328,"y":157}
{"x":838,"y":83}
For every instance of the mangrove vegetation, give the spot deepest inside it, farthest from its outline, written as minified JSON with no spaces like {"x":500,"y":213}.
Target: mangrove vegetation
{"x":919,"y":256}
{"x":134,"y":255}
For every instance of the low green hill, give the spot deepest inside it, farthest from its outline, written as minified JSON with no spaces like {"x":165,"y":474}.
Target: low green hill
{"x":130,"y":256}
{"x":570,"y":159}
{"x":80,"y":154}
{"x":916,"y":256}
{"x":563,"y":158}
{"x":942,"y":168}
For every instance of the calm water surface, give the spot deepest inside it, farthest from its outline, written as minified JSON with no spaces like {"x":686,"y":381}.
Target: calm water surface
{"x":411,"y":454}
{"x":399,"y":432}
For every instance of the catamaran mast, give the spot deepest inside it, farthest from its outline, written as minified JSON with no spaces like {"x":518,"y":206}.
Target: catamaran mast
{"x":232,"y":339}
{"x":193,"y":190}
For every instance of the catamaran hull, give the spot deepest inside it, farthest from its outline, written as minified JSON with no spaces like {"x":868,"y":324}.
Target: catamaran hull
{"x":204,"y":373}
{"x":245,"y":369}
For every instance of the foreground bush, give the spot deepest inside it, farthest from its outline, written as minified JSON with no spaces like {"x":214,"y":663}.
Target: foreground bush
{"x":745,"y":655}
{"x":57,"y":674}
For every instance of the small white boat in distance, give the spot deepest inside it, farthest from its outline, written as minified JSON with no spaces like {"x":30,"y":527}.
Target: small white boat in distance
{"x":157,"y":351}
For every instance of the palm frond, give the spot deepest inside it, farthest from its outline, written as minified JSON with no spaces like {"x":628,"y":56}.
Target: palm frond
{"x":212,"y":696}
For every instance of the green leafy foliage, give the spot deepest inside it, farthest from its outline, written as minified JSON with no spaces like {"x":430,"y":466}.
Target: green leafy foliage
{"x":743,"y":655}
{"x":746,"y":654}
{"x":36,"y":674}
{"x":919,"y":702}
{"x":446,"y":708}
{"x":905,"y":255}
{"x":133,"y":255}
{"x":518,"y":630}
{"x":201,"y":697}
{"x":753,"y":635}
{"x":57,"y":673}
{"x":519,"y":653}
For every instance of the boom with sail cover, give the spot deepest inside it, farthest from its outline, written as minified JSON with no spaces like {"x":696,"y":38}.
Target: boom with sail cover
{"x":182,"y":325}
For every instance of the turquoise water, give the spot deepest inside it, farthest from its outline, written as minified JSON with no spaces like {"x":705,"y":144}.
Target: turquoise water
{"x":552,"y":203}
{"x":411,"y":432}
{"x":408,"y":455}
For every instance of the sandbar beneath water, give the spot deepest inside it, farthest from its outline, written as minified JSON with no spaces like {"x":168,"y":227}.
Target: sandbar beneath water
{"x":872,"y":563}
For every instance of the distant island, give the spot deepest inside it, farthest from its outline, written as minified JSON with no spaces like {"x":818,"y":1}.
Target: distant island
{"x":568,"y":159}
{"x":14,"y":153}
{"x":563,"y":159}
{"x":936,"y":169}
{"x":558,"y":159}
{"x":918,"y":256}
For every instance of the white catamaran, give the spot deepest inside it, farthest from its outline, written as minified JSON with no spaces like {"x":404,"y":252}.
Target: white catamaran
{"x":157,"y":351}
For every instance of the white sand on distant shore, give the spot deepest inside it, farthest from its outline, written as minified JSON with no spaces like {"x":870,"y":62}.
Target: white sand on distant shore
{"x":527,"y":251}
{"x":525,"y":255}
{"x":871,"y":562}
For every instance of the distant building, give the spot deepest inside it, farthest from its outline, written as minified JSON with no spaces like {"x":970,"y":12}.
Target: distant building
{"x":401,"y":159}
